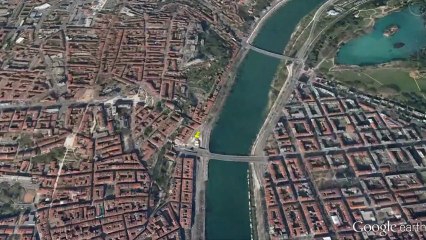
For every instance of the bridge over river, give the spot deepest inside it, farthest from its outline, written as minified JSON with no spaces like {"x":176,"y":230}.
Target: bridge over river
{"x":201,"y":152}
{"x":268,"y":53}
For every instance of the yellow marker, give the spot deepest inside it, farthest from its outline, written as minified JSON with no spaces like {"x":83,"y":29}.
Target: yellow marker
{"x":197,"y":135}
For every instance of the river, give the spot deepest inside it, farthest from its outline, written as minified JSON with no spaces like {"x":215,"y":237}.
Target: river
{"x":374,"y":48}
{"x":227,"y":212}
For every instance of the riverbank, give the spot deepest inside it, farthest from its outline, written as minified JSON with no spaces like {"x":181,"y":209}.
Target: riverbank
{"x":257,"y":169}
{"x":198,"y":230}
{"x":236,"y":127}
{"x":264,"y":16}
{"x":239,"y":120}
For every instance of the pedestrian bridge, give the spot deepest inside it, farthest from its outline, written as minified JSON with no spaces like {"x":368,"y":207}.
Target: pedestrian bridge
{"x":268,"y":53}
{"x":200,"y":152}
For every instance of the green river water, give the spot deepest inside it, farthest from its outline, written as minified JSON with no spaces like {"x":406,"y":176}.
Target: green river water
{"x":374,"y":48}
{"x":227,"y":212}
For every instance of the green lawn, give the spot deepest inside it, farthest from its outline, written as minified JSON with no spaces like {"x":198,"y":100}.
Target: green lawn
{"x":422,"y":84}
{"x":390,"y":83}
{"x":382,"y":78}
{"x":367,"y":13}
{"x":326,"y":65}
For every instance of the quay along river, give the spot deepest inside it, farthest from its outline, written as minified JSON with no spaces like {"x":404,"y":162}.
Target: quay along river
{"x":227,"y":210}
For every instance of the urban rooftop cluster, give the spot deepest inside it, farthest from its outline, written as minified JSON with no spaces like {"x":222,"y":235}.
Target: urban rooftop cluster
{"x":93,"y":94}
{"x":84,"y":178}
{"x":335,"y":161}
{"x":86,"y":51}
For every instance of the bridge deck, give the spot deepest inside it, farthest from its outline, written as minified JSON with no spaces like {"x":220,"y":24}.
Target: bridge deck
{"x":267,"y":53}
{"x":270,"y":54}
{"x":222,"y":157}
